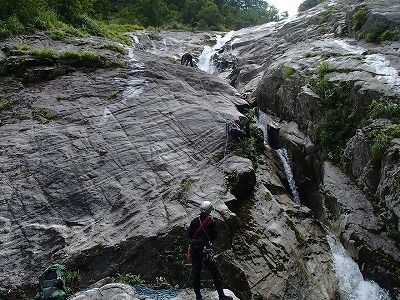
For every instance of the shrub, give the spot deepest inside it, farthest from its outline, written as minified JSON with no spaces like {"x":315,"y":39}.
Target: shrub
{"x":381,"y":140}
{"x":389,"y":35}
{"x":129,"y":278}
{"x":42,"y":115}
{"x":384,"y":109}
{"x":44,"y":52}
{"x":325,"y":90}
{"x":90,"y":26}
{"x":287,"y":71}
{"x":324,"y":68}
{"x":186,"y":184}
{"x":5,"y":102}
{"x":11,"y":26}
{"x":251,"y":147}
{"x":360,"y":17}
{"x":115,"y":48}
{"x":57,"y":34}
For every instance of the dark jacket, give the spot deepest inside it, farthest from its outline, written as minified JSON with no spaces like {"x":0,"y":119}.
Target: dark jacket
{"x":208,"y":234}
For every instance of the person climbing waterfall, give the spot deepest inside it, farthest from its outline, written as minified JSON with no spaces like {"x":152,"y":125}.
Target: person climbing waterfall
{"x":202,"y":233}
{"x":187,"y":58}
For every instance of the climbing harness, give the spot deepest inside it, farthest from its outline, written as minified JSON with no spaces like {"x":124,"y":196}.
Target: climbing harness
{"x":207,"y":221}
{"x":208,"y":254}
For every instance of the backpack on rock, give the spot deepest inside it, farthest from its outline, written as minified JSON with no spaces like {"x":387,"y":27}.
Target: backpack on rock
{"x":53,"y":283}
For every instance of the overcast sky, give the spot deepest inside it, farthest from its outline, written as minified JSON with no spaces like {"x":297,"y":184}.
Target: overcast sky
{"x":286,"y":5}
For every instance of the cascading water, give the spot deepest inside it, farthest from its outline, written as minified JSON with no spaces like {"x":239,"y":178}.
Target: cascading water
{"x":283,"y":155}
{"x":206,"y":62}
{"x":350,"y":278}
{"x":351,"y":281}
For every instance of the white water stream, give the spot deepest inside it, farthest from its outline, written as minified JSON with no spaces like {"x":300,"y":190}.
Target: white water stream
{"x":206,"y":62}
{"x":351,"y":281}
{"x":350,"y":278}
{"x":283,"y":155}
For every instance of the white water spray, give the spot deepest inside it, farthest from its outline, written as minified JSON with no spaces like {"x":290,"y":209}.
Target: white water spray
{"x":261,"y":121}
{"x":206,"y":61}
{"x":351,"y":281}
{"x":350,"y":278}
{"x":289,"y":174}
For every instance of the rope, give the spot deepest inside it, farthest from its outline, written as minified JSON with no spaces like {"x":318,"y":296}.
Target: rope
{"x":159,"y":294}
{"x":163,"y":293}
{"x":187,"y":281}
{"x":227,"y":122}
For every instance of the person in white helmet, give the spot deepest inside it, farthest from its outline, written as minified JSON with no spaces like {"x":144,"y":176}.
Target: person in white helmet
{"x":202,"y":233}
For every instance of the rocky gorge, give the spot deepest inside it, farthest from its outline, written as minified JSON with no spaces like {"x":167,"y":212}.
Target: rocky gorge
{"x":103,"y":162}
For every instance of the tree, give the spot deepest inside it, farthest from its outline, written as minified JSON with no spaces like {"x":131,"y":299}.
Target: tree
{"x":209,"y":16}
{"x":69,"y":10}
{"x":307,"y":4}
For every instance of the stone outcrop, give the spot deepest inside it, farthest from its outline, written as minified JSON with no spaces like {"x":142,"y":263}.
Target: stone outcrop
{"x":119,"y":291}
{"x":310,"y":70}
{"x":102,"y":170}
{"x":240,"y":176}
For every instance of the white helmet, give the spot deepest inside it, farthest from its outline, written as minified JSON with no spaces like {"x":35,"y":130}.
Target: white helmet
{"x":206,"y":207}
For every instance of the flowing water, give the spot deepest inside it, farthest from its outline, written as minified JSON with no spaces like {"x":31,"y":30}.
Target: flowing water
{"x":350,"y":278}
{"x":206,"y":58}
{"x":283,"y":155}
{"x":351,"y":281}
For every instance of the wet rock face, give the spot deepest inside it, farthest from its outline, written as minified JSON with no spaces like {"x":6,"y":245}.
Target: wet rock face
{"x":289,"y":68}
{"x":240,"y":175}
{"x":82,"y":187}
{"x":363,"y":232}
{"x":102,"y":170}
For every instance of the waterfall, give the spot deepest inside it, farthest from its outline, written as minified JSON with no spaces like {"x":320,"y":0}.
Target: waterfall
{"x":261,"y":121}
{"x":351,"y":281}
{"x":289,"y":174}
{"x":350,"y":278}
{"x":206,"y":58}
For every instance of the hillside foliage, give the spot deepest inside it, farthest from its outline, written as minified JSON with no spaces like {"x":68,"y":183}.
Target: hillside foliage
{"x":23,"y":15}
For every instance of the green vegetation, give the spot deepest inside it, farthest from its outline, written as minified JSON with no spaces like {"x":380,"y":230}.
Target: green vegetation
{"x":384,"y":109}
{"x":6,"y":102}
{"x":56,"y":63}
{"x":73,"y":281}
{"x":372,"y":32}
{"x":252,"y":146}
{"x":340,"y":119}
{"x":42,"y":115}
{"x":186,"y":184}
{"x":129,"y":278}
{"x":108,"y":18}
{"x":287,"y":71}
{"x":324,"y":68}
{"x":43,"y":52}
{"x":115,"y":48}
{"x":397,"y":274}
{"x":381,"y":139}
{"x":175,"y":255}
{"x":90,"y":58}
{"x":382,"y":136}
{"x":360,"y":17}
{"x":307,"y":4}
